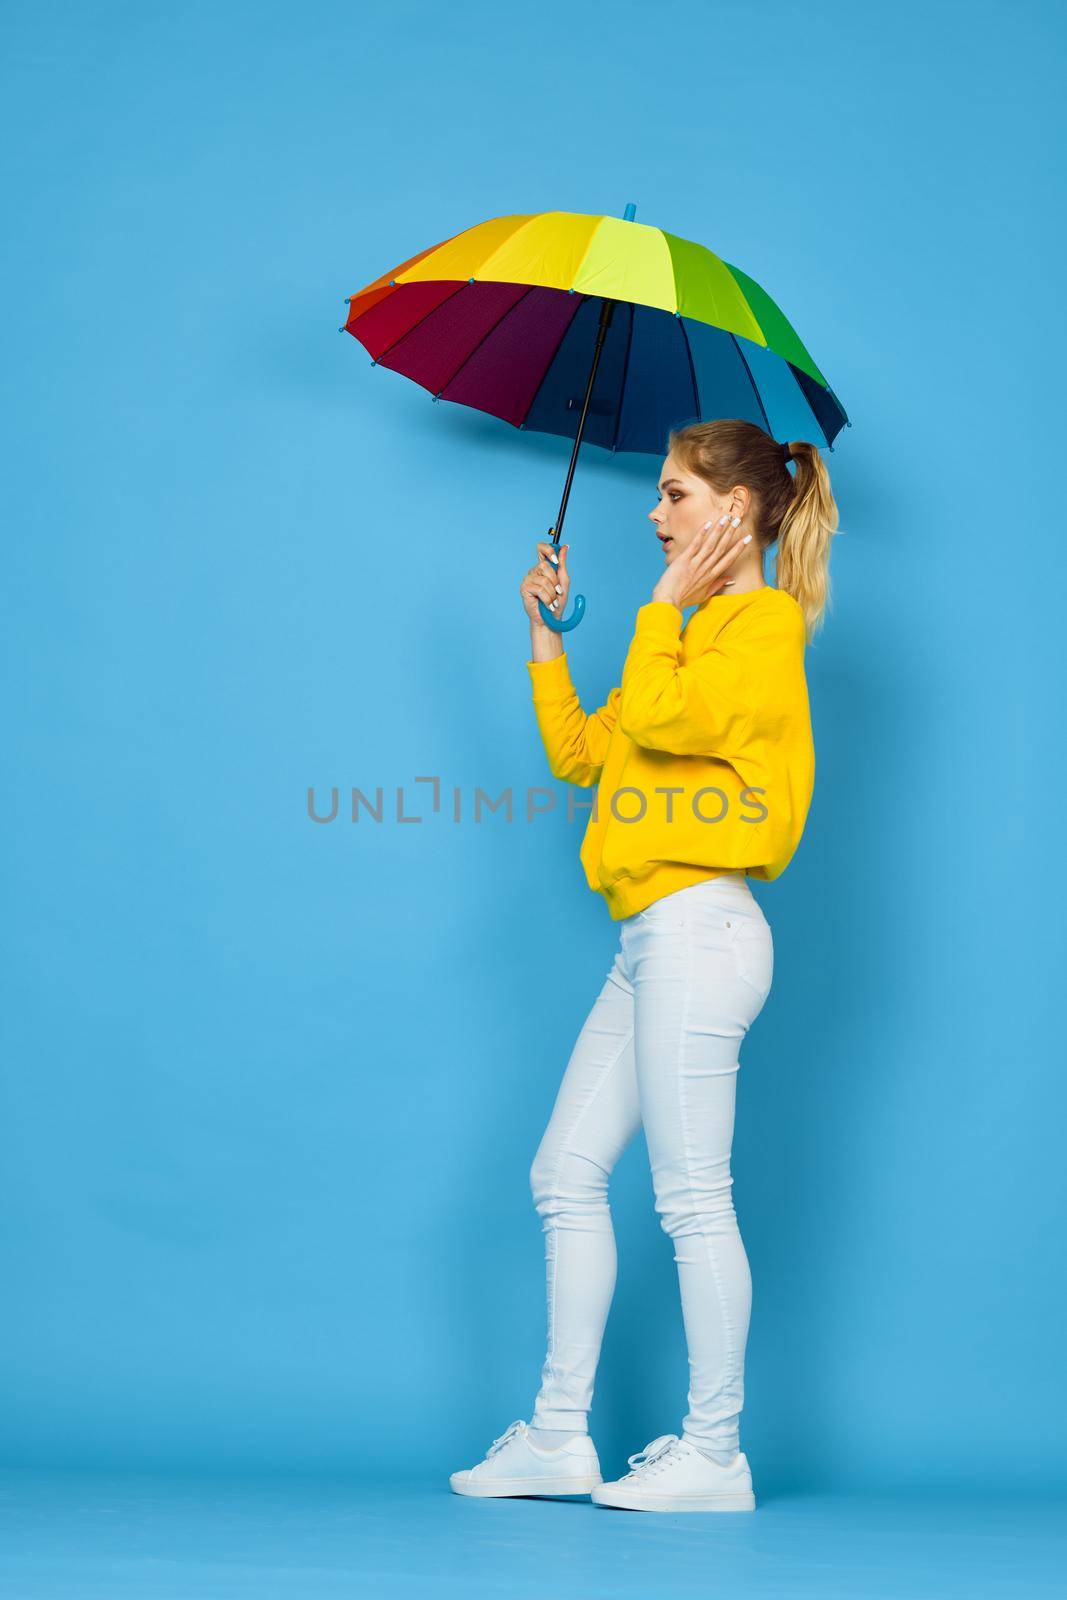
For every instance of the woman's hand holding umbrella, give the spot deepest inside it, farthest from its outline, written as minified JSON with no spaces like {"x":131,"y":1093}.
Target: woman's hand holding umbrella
{"x":700,"y":570}
{"x":546,"y":582}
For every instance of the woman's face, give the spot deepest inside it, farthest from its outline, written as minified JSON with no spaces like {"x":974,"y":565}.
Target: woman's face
{"x":685,"y":504}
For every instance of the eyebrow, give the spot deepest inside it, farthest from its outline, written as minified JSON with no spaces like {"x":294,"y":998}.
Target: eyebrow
{"x":666,"y":481}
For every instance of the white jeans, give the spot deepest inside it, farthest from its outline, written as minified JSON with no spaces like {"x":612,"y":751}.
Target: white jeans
{"x":659,"y":1048}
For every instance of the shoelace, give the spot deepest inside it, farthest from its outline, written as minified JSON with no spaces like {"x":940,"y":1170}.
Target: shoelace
{"x":498,"y":1444}
{"x":654,"y":1457}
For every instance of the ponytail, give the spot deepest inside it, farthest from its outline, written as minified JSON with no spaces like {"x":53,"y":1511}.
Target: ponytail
{"x":809,"y":523}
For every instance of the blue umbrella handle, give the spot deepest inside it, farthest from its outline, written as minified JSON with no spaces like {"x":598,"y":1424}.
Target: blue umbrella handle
{"x":557,"y":624}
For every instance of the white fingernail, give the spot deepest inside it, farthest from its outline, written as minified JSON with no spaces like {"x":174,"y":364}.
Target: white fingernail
{"x":705,"y":528}
{"x":723,"y":521}
{"x":736,"y":522}
{"x":559,"y":588}
{"x":746,"y":538}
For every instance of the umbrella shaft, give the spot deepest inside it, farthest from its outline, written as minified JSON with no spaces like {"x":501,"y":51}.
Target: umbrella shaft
{"x":607,"y":311}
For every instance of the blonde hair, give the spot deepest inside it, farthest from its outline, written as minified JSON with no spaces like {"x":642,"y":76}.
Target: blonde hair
{"x":799,"y":512}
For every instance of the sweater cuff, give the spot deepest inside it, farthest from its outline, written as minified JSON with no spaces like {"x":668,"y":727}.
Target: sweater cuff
{"x":551,"y":680}
{"x":660,"y":617}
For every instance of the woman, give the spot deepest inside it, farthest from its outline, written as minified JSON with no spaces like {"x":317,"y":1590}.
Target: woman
{"x":704,"y":767}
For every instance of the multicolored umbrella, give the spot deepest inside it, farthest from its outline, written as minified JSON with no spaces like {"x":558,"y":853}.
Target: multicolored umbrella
{"x":596,"y":328}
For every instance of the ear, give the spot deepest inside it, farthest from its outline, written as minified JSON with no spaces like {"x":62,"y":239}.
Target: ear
{"x":740,"y":500}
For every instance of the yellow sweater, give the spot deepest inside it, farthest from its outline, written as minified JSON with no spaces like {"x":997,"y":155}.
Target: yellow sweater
{"x":702,"y":757}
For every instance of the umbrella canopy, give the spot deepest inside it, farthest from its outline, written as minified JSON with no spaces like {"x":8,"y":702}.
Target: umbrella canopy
{"x":503,"y":317}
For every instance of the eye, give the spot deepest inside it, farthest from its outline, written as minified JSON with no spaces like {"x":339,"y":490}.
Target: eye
{"x":673,"y":494}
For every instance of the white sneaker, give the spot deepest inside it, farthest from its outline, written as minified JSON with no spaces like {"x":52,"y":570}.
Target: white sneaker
{"x":515,"y":1465}
{"x":671,"y":1475}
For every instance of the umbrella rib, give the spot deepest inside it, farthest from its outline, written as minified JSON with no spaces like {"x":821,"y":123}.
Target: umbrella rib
{"x":692,"y":366}
{"x":487,"y":334}
{"x":755,"y":391}
{"x":582,"y":298}
{"x":622,"y":385}
{"x":402,"y":336}
{"x":840,"y":407}
{"x":807,"y":402}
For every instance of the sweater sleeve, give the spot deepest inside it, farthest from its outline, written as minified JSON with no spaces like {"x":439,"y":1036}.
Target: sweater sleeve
{"x":716,"y":704}
{"x":575,"y":744}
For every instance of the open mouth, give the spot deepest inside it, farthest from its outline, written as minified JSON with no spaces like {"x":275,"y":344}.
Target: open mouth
{"x":665,"y":540}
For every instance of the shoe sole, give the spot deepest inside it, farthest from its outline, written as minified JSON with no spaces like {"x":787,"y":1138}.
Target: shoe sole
{"x":503,"y":1487}
{"x":627,"y":1500}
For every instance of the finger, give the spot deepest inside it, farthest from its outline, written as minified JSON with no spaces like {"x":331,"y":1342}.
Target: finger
{"x":715,"y":561}
{"x":730,"y":555}
{"x":724,"y":541}
{"x":709,"y":537}
{"x":550,"y":575}
{"x":704,"y":546}
{"x":557,"y":555}
{"x":539,"y":587}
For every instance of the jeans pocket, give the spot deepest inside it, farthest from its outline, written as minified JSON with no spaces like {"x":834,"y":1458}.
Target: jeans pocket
{"x":753,"y":951}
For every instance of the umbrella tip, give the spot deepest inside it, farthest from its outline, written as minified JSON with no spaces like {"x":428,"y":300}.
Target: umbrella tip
{"x":630,"y":212}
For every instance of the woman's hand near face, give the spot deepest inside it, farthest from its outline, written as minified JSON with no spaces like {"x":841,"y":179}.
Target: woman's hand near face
{"x":703,"y":566}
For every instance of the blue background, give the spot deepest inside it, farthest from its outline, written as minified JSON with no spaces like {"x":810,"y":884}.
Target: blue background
{"x":272,"y":1089}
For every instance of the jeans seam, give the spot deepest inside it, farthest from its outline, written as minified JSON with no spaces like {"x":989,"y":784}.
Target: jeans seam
{"x":712,"y":1264}
{"x":564,"y":1142}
